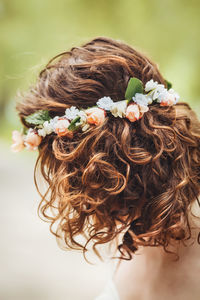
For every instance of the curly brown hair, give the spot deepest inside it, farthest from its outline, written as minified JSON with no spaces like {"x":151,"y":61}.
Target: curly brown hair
{"x":142,"y":175}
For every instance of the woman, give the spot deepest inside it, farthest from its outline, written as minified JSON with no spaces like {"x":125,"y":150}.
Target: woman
{"x":121,"y":157}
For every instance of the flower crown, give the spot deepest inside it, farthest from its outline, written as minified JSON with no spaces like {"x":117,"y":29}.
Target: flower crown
{"x":137,"y":99}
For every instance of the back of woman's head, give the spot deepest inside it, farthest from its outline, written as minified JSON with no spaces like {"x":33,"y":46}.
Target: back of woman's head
{"x":136,"y":177}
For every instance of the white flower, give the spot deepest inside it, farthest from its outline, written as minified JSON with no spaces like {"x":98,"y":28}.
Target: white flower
{"x":85,"y":127}
{"x":42,"y":132}
{"x":160,"y":89}
{"x":118,"y":109}
{"x":176,"y":95}
{"x":168,"y":98}
{"x":71,"y":113}
{"x":83,"y":118}
{"x":54,"y":121}
{"x":105,"y":103}
{"x":162,"y":96}
{"x":154,"y":88}
{"x":142,"y":99}
{"x":48,"y":128}
{"x":150,"y":85}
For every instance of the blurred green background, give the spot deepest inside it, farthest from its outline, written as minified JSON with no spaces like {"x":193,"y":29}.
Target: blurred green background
{"x":33,"y":31}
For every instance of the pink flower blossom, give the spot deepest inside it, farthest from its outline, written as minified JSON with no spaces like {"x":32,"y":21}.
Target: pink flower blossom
{"x":95,"y":115}
{"x":133,"y":112}
{"x":61,"y":128}
{"x":18,"y":141}
{"x":32,"y":140}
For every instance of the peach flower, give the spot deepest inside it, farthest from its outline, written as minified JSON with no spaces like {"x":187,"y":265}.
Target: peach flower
{"x":61,"y":128}
{"x":18,"y":141}
{"x":133,"y":112}
{"x":168,"y":98}
{"x":169,"y":101}
{"x":32,"y":140}
{"x":95,"y":115}
{"x":143,"y":109}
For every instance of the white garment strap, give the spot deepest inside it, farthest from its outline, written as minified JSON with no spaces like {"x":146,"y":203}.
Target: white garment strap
{"x":110,"y":291}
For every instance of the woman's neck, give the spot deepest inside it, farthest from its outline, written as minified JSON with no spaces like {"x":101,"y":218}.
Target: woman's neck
{"x":154,"y":274}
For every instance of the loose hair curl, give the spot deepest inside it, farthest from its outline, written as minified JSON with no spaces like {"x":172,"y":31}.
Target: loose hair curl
{"x":142,"y":175}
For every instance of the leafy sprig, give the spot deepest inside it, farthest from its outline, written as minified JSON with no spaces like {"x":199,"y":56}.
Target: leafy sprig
{"x":134,"y":86}
{"x":38,"y":117}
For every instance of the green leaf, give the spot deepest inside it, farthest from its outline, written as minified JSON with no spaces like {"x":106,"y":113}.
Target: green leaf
{"x":38,"y":117}
{"x":169,"y":84}
{"x":24,"y":130}
{"x":72,"y":125}
{"x":134,"y":86}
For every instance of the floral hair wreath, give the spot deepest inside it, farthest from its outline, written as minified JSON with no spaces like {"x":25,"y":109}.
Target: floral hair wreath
{"x":137,"y":99}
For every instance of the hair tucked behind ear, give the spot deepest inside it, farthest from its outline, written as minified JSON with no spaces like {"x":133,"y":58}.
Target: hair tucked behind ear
{"x":142,"y":175}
